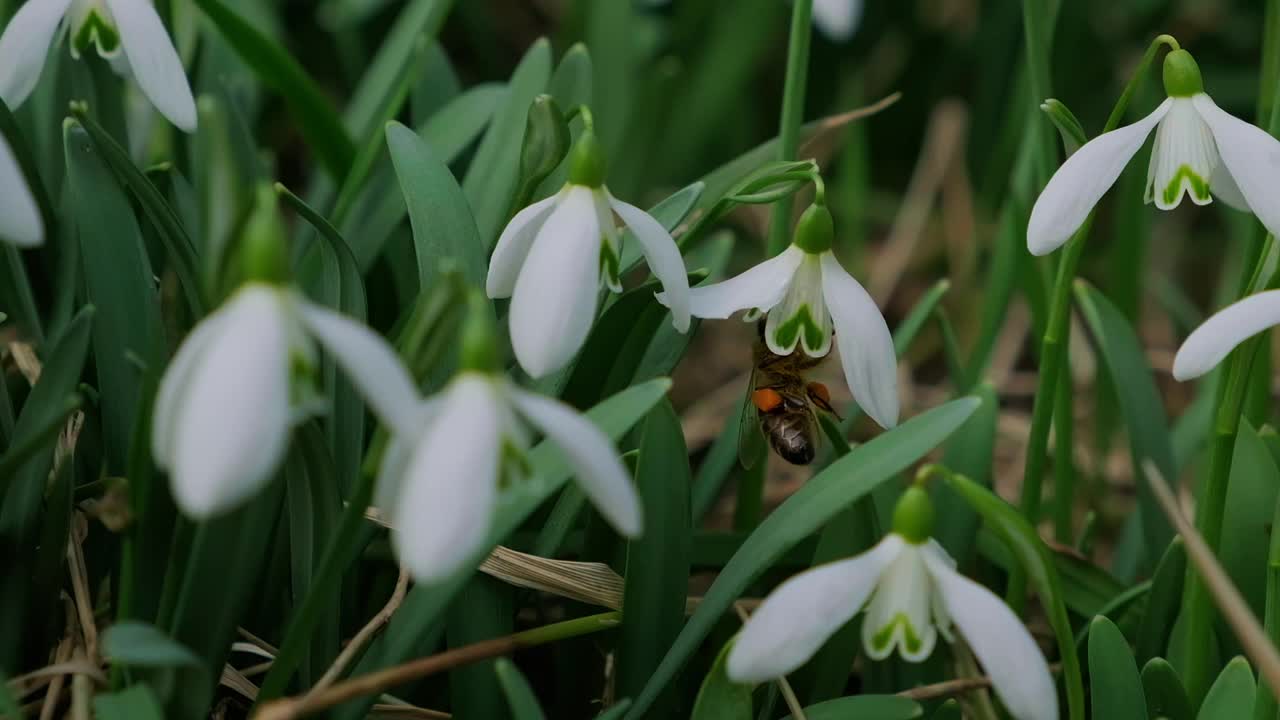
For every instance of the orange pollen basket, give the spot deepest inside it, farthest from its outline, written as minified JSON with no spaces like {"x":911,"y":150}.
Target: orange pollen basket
{"x":766,"y":400}
{"x":821,"y":392}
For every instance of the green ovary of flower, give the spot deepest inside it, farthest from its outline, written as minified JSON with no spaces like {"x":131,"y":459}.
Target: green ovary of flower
{"x":1199,"y":186}
{"x":96,"y":30}
{"x":910,"y":639}
{"x":802,"y":321}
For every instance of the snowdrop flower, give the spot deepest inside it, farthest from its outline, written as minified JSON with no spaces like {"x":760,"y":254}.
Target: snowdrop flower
{"x":441,"y":477}
{"x":915,"y":595}
{"x":245,"y":375}
{"x":128,"y":33}
{"x":1199,"y":150}
{"x":1219,"y":335}
{"x":20,"y":221}
{"x":808,"y":296}
{"x":552,"y":256}
{"x":837,"y":19}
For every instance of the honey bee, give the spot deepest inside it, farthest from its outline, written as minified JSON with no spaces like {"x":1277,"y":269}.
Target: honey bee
{"x":782,"y":406}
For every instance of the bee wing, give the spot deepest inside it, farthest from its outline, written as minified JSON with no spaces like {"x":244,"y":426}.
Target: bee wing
{"x":751,"y":444}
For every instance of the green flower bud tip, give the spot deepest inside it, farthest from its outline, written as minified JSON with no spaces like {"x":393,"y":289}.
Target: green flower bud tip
{"x":913,"y":516}
{"x":546,"y":140}
{"x":263,"y":252}
{"x":1182,"y":75}
{"x":815,"y":230}
{"x":586,"y":161}
{"x":479,"y":346}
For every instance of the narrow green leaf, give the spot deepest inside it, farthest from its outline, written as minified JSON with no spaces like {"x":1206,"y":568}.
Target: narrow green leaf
{"x":1033,"y":557}
{"x":1163,"y":604}
{"x":864,"y":707}
{"x":1140,"y":404}
{"x":137,"y":643}
{"x":811,"y":507}
{"x":1166,"y":698}
{"x":136,"y":702}
{"x":313,"y":505}
{"x":1231,"y":696}
{"x":1115,"y":687}
{"x":8,"y":705}
{"x":657,"y":573}
{"x":491,"y":178}
{"x":524,"y":704}
{"x":278,"y":70}
{"x":720,"y":698}
{"x":444,"y":230}
{"x":1251,"y":502}
{"x":482,"y":611}
{"x":118,"y":280}
{"x":949,"y":710}
{"x":968,"y":452}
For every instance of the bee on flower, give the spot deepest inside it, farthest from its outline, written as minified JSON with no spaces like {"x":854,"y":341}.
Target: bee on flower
{"x":127,"y":33}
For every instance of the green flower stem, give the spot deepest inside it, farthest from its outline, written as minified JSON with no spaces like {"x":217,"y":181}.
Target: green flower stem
{"x":1053,"y":348}
{"x":1264,"y":707}
{"x":1037,"y":27}
{"x":1064,"y":470}
{"x":792,"y":113}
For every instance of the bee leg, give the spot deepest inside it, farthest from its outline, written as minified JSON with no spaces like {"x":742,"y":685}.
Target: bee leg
{"x":821,"y":397}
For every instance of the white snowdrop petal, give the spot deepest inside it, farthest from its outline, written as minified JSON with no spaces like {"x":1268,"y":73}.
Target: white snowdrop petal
{"x":801,"y":318}
{"x":760,"y":288}
{"x":837,"y":19}
{"x":369,"y":362}
{"x":798,"y":617}
{"x":554,"y":301}
{"x":1251,"y":156}
{"x":232,"y":426}
{"x":1224,"y":187}
{"x":899,"y":615}
{"x":1082,"y":180}
{"x":25,"y":45}
{"x":664,"y":259}
{"x":1220,"y":334}
{"x":20,"y":221}
{"x":594,"y":459}
{"x":866,"y":347}
{"x":153,"y":61}
{"x":443,"y":511}
{"x":513,"y":247}
{"x":174,"y":383}
{"x":1002,"y":644}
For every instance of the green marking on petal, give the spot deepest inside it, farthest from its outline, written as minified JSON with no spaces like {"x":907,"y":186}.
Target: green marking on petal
{"x":1199,"y":186}
{"x":911,"y":639}
{"x":610,"y":265}
{"x":96,"y":30}
{"x":789,"y":331}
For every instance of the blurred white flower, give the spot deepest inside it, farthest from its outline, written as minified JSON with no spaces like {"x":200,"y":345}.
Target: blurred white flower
{"x":239,"y":383}
{"x":1199,"y":150}
{"x":808,"y":296}
{"x":20,"y":221}
{"x":552,"y":256}
{"x":128,"y":33}
{"x":837,"y":19}
{"x":915,"y":596}
{"x":1208,"y":344}
{"x":441,"y":476}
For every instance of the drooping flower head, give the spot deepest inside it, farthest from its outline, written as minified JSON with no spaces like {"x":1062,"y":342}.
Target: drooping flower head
{"x":444,"y":470}
{"x":128,"y":33}
{"x":808,"y":297}
{"x":1200,"y":151}
{"x":912,"y":594}
{"x":245,"y":375}
{"x":554,"y":255}
{"x":20,"y":221}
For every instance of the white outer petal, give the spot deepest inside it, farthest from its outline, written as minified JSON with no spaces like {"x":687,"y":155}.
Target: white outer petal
{"x":760,"y":288}
{"x":175,"y":382}
{"x":513,"y":246}
{"x":1082,"y":180}
{"x":1001,"y":643}
{"x":400,"y":448}
{"x":798,"y":617}
{"x":153,"y":61}
{"x":591,"y":454}
{"x":1224,"y":187}
{"x":663,"y":256}
{"x":866,"y":347}
{"x":837,"y":19}
{"x":1220,"y":334}
{"x":446,"y":497}
{"x":369,"y":362}
{"x":1250,"y":155}
{"x":20,"y":221}
{"x":554,"y":300}
{"x":231,"y":425}
{"x":25,"y":45}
